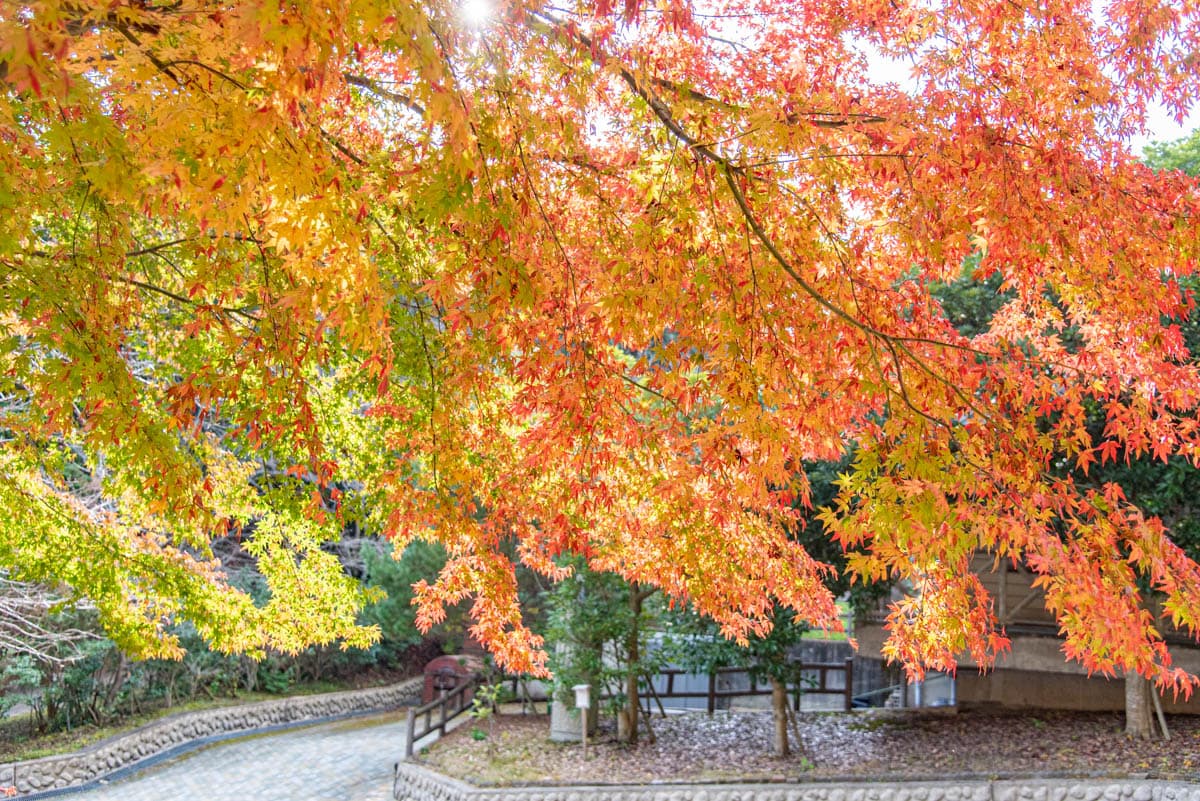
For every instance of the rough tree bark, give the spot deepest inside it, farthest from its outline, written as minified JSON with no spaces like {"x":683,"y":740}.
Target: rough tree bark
{"x":1139,"y":709}
{"x":627,"y":720}
{"x":779,"y":707}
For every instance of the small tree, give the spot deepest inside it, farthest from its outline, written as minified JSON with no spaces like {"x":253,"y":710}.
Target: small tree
{"x":486,"y":705}
{"x":695,"y":644}
{"x":597,"y":625}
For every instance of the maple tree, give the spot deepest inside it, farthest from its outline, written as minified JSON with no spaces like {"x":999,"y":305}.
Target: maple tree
{"x":593,"y":279}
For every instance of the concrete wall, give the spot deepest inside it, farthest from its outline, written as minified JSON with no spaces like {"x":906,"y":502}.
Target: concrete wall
{"x":415,"y":783}
{"x":1041,"y":690}
{"x":171,"y":733}
{"x":1035,"y":672}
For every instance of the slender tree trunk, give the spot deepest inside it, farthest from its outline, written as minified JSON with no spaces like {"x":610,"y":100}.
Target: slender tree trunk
{"x":627,"y":721}
{"x":779,"y":706}
{"x":1139,"y":710}
{"x":792,"y":715}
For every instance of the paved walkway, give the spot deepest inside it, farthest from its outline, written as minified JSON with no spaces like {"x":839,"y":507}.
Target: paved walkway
{"x":347,"y":760}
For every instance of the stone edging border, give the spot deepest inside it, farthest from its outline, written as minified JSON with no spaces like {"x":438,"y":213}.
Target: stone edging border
{"x":416,"y":783}
{"x":176,"y":732}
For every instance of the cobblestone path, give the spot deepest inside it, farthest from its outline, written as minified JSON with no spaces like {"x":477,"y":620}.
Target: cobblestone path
{"x":347,"y":760}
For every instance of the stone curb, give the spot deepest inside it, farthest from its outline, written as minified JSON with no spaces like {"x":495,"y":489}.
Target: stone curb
{"x":177,"y":732}
{"x":417,"y":783}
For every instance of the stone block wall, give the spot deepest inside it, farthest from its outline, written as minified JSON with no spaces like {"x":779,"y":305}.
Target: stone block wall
{"x":416,"y":783}
{"x":123,"y":751}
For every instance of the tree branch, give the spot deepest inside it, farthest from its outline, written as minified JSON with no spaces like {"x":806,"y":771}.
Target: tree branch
{"x":731,"y":171}
{"x":374,"y":88}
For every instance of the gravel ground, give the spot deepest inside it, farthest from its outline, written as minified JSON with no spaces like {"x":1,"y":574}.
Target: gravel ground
{"x":733,"y":746}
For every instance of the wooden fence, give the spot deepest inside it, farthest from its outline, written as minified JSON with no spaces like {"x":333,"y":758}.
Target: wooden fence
{"x":715,"y":690}
{"x":438,"y":712}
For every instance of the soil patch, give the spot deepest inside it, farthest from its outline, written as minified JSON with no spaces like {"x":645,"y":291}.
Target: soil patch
{"x":896,"y":744}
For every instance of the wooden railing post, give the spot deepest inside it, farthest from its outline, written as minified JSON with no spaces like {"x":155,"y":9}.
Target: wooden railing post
{"x":411,"y":726}
{"x":712,"y":692}
{"x":849,"y":683}
{"x":458,"y":696}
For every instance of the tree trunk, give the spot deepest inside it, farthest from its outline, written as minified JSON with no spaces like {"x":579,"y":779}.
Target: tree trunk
{"x":627,"y":721}
{"x":779,"y":706}
{"x":1139,"y":712}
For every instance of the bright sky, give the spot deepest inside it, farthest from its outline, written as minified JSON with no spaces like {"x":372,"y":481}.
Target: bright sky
{"x":1163,"y":127}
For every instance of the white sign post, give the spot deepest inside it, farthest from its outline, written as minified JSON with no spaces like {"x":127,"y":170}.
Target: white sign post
{"x":583,"y":701}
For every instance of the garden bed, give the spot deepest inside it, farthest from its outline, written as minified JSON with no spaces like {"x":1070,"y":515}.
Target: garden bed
{"x":514,"y":749}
